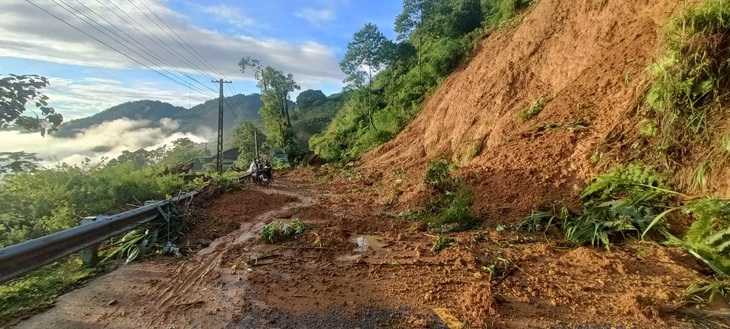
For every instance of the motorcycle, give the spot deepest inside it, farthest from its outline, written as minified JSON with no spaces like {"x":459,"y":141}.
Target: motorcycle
{"x":262,"y":177}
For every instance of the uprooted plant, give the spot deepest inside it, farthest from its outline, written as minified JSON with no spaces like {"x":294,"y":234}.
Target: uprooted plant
{"x":277,"y":231}
{"x":441,"y":243}
{"x":156,"y":237}
{"x":708,"y":240}
{"x":633,"y":201}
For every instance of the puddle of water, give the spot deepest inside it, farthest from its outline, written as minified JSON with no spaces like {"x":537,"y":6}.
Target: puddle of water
{"x":365,"y":242}
{"x":347,"y":258}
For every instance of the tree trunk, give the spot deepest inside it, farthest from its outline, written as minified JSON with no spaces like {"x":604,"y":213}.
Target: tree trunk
{"x":370,"y":94}
{"x":286,"y":109}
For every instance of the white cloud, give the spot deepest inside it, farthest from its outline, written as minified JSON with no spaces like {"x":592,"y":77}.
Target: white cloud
{"x":316,"y":16}
{"x":229,"y":15}
{"x":108,"y":139}
{"x":56,"y":42}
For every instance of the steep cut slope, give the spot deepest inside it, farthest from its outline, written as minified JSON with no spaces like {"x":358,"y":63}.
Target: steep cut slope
{"x":589,"y":61}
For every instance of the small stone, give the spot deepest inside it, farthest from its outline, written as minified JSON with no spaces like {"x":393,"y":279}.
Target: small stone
{"x":113,"y":302}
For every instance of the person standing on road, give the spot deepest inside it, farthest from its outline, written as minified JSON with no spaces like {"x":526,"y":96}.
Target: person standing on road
{"x":253,"y":169}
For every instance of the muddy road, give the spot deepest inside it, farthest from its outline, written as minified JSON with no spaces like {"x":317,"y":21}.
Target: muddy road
{"x":360,"y":267}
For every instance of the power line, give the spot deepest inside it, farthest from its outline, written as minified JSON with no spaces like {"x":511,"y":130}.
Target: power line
{"x":160,"y":43}
{"x":122,"y":42}
{"x":77,"y":13}
{"x":109,"y":46}
{"x":182,"y":58}
{"x":146,"y":50}
{"x":196,"y":55}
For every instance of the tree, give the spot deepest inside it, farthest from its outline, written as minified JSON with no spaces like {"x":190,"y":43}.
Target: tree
{"x":15,"y":162}
{"x":412,"y":17}
{"x":276,"y":88}
{"x":367,"y":54}
{"x":182,"y":150}
{"x":310,"y":98}
{"x":16,"y":91}
{"x":243,"y":139}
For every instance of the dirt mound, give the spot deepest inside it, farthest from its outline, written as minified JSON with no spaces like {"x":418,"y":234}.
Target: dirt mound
{"x":586,"y":59}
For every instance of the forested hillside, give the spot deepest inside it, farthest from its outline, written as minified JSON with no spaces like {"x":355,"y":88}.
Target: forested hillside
{"x":389,"y":81}
{"x":244,"y":107}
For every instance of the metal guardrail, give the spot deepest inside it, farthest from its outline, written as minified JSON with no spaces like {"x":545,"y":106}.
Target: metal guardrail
{"x":21,"y":258}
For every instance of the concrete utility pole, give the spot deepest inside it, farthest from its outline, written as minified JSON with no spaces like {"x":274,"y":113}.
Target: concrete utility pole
{"x":219,"y":158}
{"x":256,"y":141}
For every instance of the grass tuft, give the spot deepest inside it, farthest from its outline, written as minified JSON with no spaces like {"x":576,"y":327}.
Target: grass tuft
{"x":533,"y":110}
{"x":441,"y":243}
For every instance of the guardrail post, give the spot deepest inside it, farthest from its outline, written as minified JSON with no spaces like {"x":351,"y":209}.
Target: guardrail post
{"x":89,"y":256}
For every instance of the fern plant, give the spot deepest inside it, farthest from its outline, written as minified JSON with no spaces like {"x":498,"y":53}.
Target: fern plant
{"x":709,"y":236}
{"x":624,"y":202}
{"x":636,"y":182}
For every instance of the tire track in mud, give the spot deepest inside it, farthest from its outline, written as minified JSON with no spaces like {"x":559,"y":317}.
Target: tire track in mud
{"x":204,"y":274}
{"x":199,"y":292}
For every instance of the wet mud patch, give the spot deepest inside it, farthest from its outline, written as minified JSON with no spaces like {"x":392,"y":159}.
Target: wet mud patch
{"x":366,"y":317}
{"x":228,"y":212}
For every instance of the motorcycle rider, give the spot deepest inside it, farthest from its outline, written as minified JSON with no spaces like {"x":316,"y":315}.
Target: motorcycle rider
{"x":267,"y":166}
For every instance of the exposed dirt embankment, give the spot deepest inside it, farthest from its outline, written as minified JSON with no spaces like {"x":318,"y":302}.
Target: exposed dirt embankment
{"x":589,"y":61}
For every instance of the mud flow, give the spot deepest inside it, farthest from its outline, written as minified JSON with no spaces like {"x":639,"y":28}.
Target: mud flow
{"x":356,"y":267}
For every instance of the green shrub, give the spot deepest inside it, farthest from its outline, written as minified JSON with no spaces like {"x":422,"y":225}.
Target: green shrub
{"x":438,"y":175}
{"x":453,"y":212}
{"x":600,"y":223}
{"x":634,"y":182}
{"x":709,"y":236}
{"x":49,"y":200}
{"x":626,"y":201}
{"x":711,"y":290}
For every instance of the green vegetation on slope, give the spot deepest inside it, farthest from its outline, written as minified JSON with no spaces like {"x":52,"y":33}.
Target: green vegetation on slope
{"x":689,"y":96}
{"x":687,"y":123}
{"x":435,"y":36}
{"x":40,"y":288}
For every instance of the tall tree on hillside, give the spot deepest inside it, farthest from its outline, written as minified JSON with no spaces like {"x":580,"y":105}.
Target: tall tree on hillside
{"x":310,"y":98}
{"x":276,"y":88}
{"x":368,"y":53}
{"x":16,"y":91}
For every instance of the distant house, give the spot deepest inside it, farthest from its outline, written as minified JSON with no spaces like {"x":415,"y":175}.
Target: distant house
{"x":229,"y":157}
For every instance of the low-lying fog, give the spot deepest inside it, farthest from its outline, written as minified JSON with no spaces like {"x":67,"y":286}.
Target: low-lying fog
{"x":108,"y":139}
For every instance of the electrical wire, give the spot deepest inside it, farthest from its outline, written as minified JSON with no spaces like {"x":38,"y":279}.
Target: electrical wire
{"x":123,"y":41}
{"x":111,"y":47}
{"x":143,"y":48}
{"x":181,"y":56}
{"x":196,"y":55}
{"x":160,"y":43}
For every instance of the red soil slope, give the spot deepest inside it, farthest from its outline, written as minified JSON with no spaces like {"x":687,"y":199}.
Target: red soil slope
{"x":587,"y":58}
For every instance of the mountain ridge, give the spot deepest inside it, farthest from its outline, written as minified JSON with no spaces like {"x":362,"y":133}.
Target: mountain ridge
{"x":245,"y":107}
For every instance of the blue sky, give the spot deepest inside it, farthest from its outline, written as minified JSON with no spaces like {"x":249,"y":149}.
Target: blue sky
{"x":306,"y":38}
